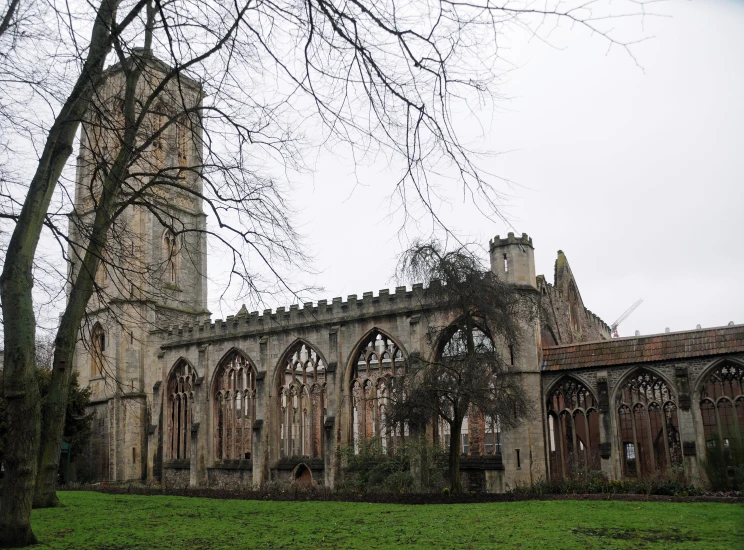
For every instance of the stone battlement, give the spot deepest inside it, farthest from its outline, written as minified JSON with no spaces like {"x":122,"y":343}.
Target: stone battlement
{"x":497,"y":241}
{"x":322,"y":311}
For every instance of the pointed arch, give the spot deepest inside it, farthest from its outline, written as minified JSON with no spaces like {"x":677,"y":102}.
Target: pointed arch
{"x":573,"y":427}
{"x":376,"y":362}
{"x":478,"y":432}
{"x":170,"y":250}
{"x":97,"y":350}
{"x":646,"y":405}
{"x":234,"y":405}
{"x":159,"y":117}
{"x":443,"y":344}
{"x":721,"y":393}
{"x":300,"y":379}
{"x":180,"y":410}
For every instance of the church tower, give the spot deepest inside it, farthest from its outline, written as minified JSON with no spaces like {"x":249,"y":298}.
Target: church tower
{"x":154,"y":270}
{"x":513,"y":259}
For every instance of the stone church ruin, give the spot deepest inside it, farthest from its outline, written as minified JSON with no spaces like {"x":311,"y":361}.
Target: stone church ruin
{"x":259,"y":396}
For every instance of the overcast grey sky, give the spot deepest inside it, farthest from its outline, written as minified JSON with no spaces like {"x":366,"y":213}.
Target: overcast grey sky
{"x":635,"y":173}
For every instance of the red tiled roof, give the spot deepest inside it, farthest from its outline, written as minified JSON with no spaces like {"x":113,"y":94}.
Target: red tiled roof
{"x":641,"y":349}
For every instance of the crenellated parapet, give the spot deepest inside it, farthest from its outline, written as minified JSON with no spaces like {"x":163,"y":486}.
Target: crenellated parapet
{"x":511,"y":239}
{"x":513,"y":259}
{"x":323,"y":312}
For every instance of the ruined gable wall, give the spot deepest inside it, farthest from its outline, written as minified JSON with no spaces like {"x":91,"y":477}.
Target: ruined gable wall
{"x":559,"y":324}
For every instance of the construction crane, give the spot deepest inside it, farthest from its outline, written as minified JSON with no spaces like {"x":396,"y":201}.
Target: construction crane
{"x":624,"y":316}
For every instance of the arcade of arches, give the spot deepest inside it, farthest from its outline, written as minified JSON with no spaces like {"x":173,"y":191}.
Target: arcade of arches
{"x":185,"y":399}
{"x":644,"y":423}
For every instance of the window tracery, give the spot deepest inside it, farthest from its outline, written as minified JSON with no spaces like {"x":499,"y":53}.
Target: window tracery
{"x":97,"y":348}
{"x":722,"y":404}
{"x":181,"y":404}
{"x":159,"y":138}
{"x":479,"y":434}
{"x":302,"y":402}
{"x":170,"y":255}
{"x":234,"y":397}
{"x":183,"y":143}
{"x":648,"y":425}
{"x":573,"y":429}
{"x":378,"y":366}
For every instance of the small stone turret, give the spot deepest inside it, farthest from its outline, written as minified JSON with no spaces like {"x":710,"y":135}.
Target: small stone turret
{"x":513,"y":259}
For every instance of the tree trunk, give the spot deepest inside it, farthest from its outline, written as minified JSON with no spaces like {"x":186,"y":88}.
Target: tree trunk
{"x":55,"y":406}
{"x":53,"y":425}
{"x":22,"y":399}
{"x":83,"y":286}
{"x":454,"y":453}
{"x":16,"y":281}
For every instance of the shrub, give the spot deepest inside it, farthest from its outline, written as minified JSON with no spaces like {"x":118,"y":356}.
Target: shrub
{"x":667,"y":483}
{"x":373,"y":469}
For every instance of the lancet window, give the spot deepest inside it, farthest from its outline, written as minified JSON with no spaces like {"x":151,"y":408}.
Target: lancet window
{"x":183,"y":143}
{"x":648,"y":425}
{"x":302,"y":402}
{"x":159,"y":136}
{"x":170,"y":256}
{"x":379,"y":365}
{"x":181,"y":413}
{"x":234,"y":398}
{"x":97,"y":349}
{"x":722,"y":404}
{"x":573,"y":429}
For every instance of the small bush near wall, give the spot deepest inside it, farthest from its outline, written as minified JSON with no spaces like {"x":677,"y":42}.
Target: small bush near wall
{"x":667,"y":484}
{"x":373,"y":469}
{"x":724,"y":464}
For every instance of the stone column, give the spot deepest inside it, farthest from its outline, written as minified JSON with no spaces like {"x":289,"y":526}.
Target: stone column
{"x":686,"y":419}
{"x":605,"y":427}
{"x":260,"y":435}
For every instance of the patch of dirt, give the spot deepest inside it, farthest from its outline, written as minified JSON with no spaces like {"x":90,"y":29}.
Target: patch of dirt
{"x":646,"y":535}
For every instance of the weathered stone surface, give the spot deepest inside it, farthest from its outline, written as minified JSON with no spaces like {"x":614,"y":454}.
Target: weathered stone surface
{"x":256,"y":398}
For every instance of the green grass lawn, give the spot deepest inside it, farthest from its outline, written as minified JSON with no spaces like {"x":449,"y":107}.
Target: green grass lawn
{"x":94,"y":520}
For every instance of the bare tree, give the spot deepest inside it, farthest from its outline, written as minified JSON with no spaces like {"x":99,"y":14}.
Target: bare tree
{"x":472,"y":371}
{"x":374,"y":77}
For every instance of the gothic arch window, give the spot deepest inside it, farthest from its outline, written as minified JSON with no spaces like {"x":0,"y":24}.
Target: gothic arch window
{"x":479,"y":434}
{"x":722,"y":404}
{"x":379,"y":365}
{"x":170,"y":257}
{"x":159,"y":138}
{"x":97,"y":349}
{"x":302,"y":402}
{"x":573,"y":308}
{"x":573,"y":429}
{"x":234,"y":398}
{"x":181,"y":405}
{"x":183,"y":141}
{"x":648,"y":425}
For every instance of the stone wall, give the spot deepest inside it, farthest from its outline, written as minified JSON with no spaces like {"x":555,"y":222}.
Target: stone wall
{"x":176,"y":478}
{"x":230,"y":478}
{"x":684,"y":377}
{"x":564,"y":318}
